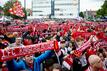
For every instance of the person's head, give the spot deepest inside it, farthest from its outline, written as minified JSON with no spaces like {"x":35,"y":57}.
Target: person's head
{"x":18,"y":41}
{"x":100,"y":50}
{"x":48,"y":64}
{"x":56,"y":67}
{"x":27,"y":41}
{"x":95,"y":62}
{"x":29,"y":59}
{"x":80,"y":41}
{"x":15,"y":34}
{"x":0,"y":40}
{"x":67,"y":44}
{"x":101,"y":56}
{"x":58,"y":33}
{"x":30,"y":28}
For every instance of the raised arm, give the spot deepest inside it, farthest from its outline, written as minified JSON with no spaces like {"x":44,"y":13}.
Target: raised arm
{"x":45,"y":55}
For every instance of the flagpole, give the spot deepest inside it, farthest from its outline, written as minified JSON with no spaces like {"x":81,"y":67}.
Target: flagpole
{"x":78,"y":7}
{"x":25,"y":4}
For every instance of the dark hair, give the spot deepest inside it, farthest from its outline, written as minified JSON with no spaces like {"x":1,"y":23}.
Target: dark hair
{"x":101,"y":50}
{"x":104,"y":55}
{"x":56,"y":66}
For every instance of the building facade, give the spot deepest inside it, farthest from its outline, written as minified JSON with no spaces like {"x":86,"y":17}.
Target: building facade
{"x":66,"y":9}
{"x":41,"y":8}
{"x":89,"y":14}
{"x":56,"y":8}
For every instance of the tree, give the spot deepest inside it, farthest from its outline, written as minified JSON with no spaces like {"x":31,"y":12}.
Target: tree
{"x":1,"y":8}
{"x":29,"y":11}
{"x":6,"y":7}
{"x":1,"y":11}
{"x":103,"y":11}
{"x":24,"y":10}
{"x":81,"y":14}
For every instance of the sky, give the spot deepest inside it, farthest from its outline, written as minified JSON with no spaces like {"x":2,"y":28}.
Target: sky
{"x":90,"y":4}
{"x":84,"y":4}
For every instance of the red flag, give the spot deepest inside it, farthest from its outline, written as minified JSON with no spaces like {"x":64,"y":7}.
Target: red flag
{"x":17,"y":9}
{"x":56,"y":47}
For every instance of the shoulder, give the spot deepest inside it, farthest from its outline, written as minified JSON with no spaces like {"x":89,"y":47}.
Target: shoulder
{"x":11,"y":45}
{"x":21,"y":62}
{"x":88,"y":69}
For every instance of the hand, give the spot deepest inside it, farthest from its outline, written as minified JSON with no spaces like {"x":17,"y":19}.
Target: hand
{"x":3,"y":65}
{"x":91,"y":37}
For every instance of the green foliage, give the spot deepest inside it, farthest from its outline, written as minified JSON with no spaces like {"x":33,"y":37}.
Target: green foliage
{"x":103,"y":11}
{"x":6,"y":8}
{"x":1,"y":9}
{"x":24,"y":10}
{"x":81,"y":14}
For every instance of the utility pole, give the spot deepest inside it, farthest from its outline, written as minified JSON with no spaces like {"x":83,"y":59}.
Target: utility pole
{"x":52,"y":8}
{"x":32,"y":8}
{"x":78,"y":7}
{"x":25,"y":4}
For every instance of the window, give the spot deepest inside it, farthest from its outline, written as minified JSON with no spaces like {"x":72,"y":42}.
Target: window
{"x":57,"y":9}
{"x":71,"y":14}
{"x":40,"y":15}
{"x":61,"y":14}
{"x":37,"y":11}
{"x":65,"y":4}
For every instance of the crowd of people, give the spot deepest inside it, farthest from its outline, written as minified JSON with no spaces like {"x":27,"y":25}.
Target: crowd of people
{"x":69,"y":37}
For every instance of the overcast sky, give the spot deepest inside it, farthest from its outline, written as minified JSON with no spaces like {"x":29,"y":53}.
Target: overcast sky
{"x":90,"y":4}
{"x":84,"y":4}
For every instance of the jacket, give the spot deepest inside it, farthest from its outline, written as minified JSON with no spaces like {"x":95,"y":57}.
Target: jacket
{"x":14,"y":65}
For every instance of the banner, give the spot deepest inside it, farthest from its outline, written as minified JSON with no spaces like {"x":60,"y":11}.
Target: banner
{"x":10,"y":53}
{"x":54,"y":27}
{"x":84,"y":46}
{"x":78,"y":51}
{"x":17,"y":29}
{"x":102,"y":44}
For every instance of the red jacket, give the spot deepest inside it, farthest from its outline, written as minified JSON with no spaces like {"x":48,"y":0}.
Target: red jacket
{"x":4,"y":69}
